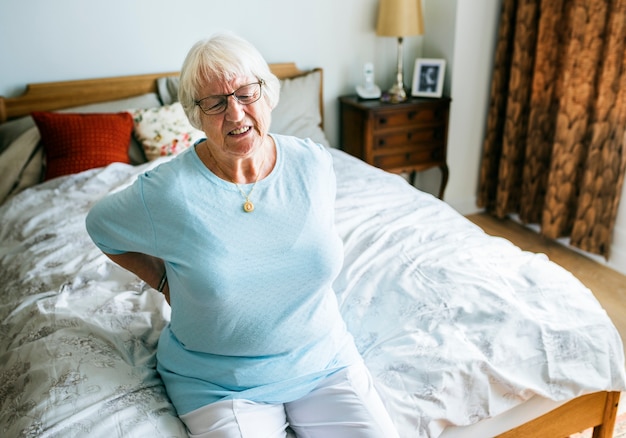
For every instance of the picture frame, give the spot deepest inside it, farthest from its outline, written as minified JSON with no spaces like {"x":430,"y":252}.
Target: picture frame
{"x":428,"y":77}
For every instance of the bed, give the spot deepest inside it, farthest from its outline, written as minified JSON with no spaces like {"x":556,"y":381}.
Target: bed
{"x":465,"y":334}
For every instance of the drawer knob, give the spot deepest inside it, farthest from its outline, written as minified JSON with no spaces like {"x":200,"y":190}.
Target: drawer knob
{"x":411,"y":114}
{"x":381,"y":142}
{"x":383,"y":121}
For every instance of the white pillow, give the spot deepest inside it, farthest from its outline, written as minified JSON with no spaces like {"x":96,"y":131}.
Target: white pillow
{"x":164,"y":130}
{"x":298,"y":112}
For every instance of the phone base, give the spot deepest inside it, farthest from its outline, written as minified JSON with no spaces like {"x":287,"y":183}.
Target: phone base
{"x":371,"y":92}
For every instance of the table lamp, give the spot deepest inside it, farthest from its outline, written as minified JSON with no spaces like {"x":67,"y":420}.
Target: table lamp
{"x":399,"y":18}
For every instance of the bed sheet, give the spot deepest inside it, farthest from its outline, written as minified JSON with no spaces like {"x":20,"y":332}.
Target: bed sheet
{"x":454,"y":325}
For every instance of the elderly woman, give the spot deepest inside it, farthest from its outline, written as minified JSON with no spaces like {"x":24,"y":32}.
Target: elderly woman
{"x":238,"y":233}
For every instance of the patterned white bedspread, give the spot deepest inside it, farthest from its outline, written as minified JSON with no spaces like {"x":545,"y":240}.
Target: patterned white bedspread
{"x":454,"y":325}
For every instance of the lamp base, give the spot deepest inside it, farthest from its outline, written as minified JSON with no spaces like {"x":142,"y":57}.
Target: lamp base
{"x":397,"y":93}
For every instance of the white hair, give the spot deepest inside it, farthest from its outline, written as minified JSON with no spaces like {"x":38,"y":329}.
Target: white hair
{"x":222,"y":57}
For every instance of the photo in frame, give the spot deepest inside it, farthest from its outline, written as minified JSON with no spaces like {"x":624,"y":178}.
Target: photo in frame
{"x":428,"y":77}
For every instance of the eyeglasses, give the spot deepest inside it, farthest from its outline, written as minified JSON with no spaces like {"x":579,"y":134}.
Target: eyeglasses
{"x":244,"y":95}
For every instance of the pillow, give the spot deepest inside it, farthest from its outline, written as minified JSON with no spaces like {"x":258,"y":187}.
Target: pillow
{"x":12,"y":130}
{"x":147,"y":100}
{"x":164,"y":130}
{"x":298,"y":112}
{"x":167,"y":88}
{"x":74,"y":142}
{"x":21,"y":165}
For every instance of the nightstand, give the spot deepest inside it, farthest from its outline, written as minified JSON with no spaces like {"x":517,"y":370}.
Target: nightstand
{"x":398,"y":137}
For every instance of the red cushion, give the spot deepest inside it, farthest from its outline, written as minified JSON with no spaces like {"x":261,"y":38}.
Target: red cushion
{"x":75,"y":142}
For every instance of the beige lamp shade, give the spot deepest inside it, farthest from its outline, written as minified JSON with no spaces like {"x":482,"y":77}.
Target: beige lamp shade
{"x":400,"y":18}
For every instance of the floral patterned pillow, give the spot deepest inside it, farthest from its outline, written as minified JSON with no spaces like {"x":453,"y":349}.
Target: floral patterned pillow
{"x":164,"y":130}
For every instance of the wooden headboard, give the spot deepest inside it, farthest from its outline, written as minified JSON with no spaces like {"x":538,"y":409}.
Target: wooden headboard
{"x":49,"y":96}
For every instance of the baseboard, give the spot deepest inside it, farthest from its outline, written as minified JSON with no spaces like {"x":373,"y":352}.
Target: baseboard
{"x":617,"y":258}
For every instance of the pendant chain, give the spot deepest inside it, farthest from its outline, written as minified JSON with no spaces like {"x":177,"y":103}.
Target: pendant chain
{"x":248,"y":206}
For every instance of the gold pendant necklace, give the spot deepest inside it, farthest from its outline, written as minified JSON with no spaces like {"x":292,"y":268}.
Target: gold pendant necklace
{"x":248,"y":206}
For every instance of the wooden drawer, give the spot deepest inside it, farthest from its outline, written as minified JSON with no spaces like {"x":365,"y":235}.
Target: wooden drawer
{"x":425,"y":156}
{"x":403,"y":118}
{"x":409,"y":137}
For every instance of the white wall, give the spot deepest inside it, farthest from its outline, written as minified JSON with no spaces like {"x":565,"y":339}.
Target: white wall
{"x":43,"y":40}
{"x":470,"y":53}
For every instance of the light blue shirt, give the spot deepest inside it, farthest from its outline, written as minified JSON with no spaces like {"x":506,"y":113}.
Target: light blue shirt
{"x":254,"y":314}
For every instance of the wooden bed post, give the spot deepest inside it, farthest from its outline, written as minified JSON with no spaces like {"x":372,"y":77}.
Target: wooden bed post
{"x":605,"y":430}
{"x":3,"y":110}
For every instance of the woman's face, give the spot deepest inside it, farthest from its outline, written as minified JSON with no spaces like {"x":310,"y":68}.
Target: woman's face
{"x":239,"y":130}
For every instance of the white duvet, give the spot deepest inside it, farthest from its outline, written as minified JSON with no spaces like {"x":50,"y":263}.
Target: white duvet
{"x":455,"y":326}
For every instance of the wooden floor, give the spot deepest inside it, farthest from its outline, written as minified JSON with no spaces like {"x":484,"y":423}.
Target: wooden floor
{"x":608,"y":286}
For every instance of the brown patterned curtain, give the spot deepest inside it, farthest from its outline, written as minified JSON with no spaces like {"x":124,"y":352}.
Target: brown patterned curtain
{"x":554,"y":151}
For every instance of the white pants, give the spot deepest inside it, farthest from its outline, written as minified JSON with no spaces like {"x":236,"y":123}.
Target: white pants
{"x":345,"y":405}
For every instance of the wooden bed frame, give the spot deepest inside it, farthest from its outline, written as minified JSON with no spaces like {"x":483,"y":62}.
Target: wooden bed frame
{"x":597,"y":410}
{"x":50,"y":96}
